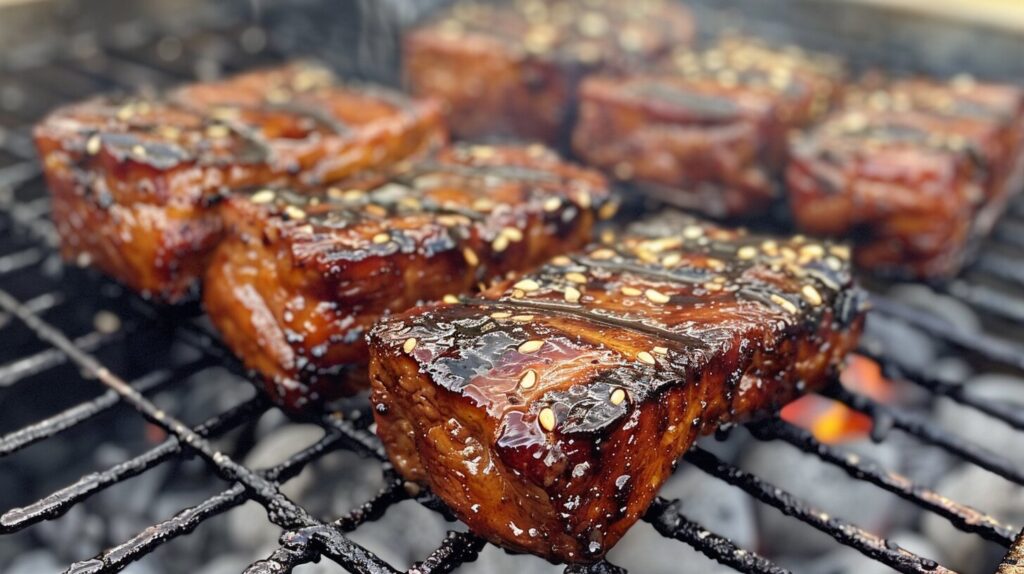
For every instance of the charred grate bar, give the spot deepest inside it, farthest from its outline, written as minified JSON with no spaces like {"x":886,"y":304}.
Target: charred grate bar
{"x":306,"y":538}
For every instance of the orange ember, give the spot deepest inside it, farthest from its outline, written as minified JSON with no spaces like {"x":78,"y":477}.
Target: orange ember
{"x":832,"y":422}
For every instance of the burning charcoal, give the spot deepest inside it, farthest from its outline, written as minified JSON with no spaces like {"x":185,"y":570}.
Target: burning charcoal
{"x":987,"y":492}
{"x":817,"y":483}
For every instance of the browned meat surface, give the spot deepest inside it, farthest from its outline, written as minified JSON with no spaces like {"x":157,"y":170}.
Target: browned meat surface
{"x":915,"y":171}
{"x":299,"y":279}
{"x":547,"y":411}
{"x":134,"y":180}
{"x":512,"y":69}
{"x":707,"y":130}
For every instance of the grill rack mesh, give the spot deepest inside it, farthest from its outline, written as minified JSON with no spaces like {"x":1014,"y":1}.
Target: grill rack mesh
{"x":24,"y":212}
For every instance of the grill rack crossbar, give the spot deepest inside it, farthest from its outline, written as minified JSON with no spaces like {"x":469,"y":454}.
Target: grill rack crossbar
{"x":306,"y":538}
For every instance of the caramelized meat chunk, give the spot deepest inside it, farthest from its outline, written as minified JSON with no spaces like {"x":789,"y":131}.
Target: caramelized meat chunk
{"x":915,"y":171}
{"x":135,"y":180}
{"x":547,"y":411}
{"x":512,"y":69}
{"x":299,"y":278}
{"x":707,"y":130}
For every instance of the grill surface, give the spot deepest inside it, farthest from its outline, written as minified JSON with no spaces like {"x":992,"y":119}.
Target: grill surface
{"x":50,"y":321}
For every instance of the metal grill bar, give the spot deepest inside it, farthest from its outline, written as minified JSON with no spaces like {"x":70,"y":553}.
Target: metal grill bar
{"x":82,"y":412}
{"x":980,"y":343}
{"x":956,"y":391}
{"x":62,"y":500}
{"x":885,"y":416}
{"x":667,"y":519}
{"x":870,"y":545}
{"x":963,"y":517}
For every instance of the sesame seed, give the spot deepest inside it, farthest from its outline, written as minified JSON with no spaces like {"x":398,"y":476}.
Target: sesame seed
{"x":409,"y":345}
{"x":693,"y":231}
{"x":660,"y":350}
{"x":501,"y":315}
{"x":263,"y":196}
{"x":618,"y":395}
{"x":631,"y":291}
{"x":671,"y":260}
{"x":561,"y":260}
{"x":92,"y":147}
{"x":527,"y":285}
{"x":584,"y":199}
{"x":746,"y":252}
{"x":811,"y":295}
{"x":218,"y":131}
{"x":840,"y":251}
{"x":645,"y":357}
{"x":522,"y":318}
{"x":552,"y":204}
{"x":518,"y":294}
{"x":483,"y":152}
{"x":656,"y":296}
{"x":812,"y":251}
{"x":783,"y":302}
{"x":576,"y":277}
{"x":499,"y":244}
{"x":770,"y":247}
{"x":139,"y":150}
{"x":712,"y":286}
{"x":572,"y":294}
{"x":833,"y":263}
{"x":470,"y":256}
{"x":483,"y":204}
{"x":294,"y":212}
{"x":608,"y":210}
{"x":531,"y":346}
{"x":512,"y":234}
{"x":788,"y":254}
{"x":547,"y":419}
{"x":603,"y":254}
{"x":381,"y":238}
{"x":528,"y":379}
{"x":450,"y":299}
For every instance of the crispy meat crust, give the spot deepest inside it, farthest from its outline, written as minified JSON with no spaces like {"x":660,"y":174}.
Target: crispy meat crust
{"x":706,"y":130}
{"x":513,"y":69}
{"x":549,"y":410}
{"x":134,"y":180}
{"x":300,"y":278}
{"x":915,"y":171}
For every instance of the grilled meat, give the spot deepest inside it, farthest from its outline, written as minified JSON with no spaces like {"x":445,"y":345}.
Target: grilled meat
{"x":299,"y":278}
{"x":706,"y":130}
{"x":547,"y":411}
{"x":134,"y":180}
{"x":916,"y":171}
{"x":513,"y":69}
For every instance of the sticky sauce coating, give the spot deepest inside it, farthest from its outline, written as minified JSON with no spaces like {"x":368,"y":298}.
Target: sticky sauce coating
{"x":549,"y":409}
{"x":301,"y":277}
{"x":512,"y":69}
{"x":916,"y":170}
{"x":135,"y":180}
{"x":706,"y":129}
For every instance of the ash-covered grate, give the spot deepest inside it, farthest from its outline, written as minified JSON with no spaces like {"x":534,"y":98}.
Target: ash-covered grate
{"x":50,"y":327}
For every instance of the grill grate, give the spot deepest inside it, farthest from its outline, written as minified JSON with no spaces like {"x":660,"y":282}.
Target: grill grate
{"x":43,"y":341}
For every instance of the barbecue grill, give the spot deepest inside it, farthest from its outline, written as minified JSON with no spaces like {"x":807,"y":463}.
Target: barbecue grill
{"x":104,"y":349}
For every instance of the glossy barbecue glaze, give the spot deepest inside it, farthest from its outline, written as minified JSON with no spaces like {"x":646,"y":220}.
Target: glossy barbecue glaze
{"x":300,"y":278}
{"x":513,"y":68}
{"x":705,"y":130}
{"x":134,"y":180}
{"x":547,"y":411}
{"x":915,"y":170}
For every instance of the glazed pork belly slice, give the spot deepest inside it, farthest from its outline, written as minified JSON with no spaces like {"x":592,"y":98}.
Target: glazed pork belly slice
{"x":299,"y":278}
{"x":915,"y":172}
{"x":135,"y":180}
{"x":512,"y":69}
{"x":706,"y":130}
{"x":548,"y":410}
